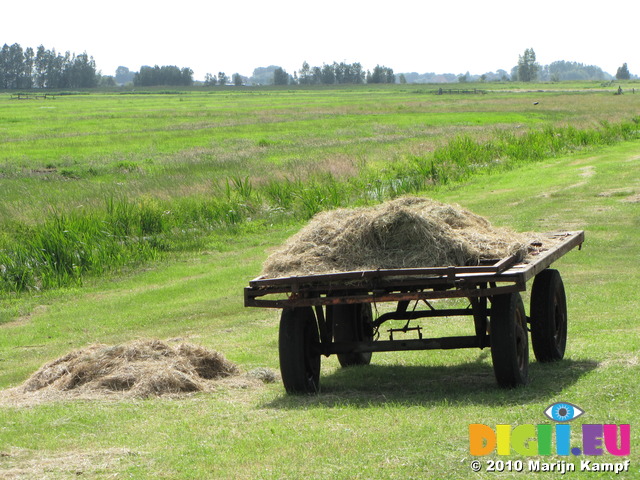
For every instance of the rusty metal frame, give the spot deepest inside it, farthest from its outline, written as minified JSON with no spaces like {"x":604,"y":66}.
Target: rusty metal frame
{"x":398,"y":285}
{"x":479,"y":284}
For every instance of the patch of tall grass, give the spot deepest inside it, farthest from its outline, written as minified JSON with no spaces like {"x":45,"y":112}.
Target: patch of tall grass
{"x":463,"y":156}
{"x":68,"y":246}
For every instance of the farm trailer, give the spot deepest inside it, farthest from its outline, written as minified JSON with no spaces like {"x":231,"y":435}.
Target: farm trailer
{"x":332,"y":314}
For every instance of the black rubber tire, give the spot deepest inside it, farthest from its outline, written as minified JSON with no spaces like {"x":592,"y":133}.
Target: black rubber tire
{"x":548,"y":316}
{"x":352,"y":323}
{"x":509,"y":340}
{"x":298,"y":346}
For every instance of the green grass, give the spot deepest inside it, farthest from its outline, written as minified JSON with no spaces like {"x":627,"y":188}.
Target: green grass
{"x":85,"y":146}
{"x":405,"y":416}
{"x":213,"y":182}
{"x":225,"y":159}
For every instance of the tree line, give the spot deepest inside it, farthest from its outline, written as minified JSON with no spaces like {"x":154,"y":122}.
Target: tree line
{"x":528,"y":70}
{"x":43,"y":68}
{"x":165,"y":75}
{"x":328,"y":74}
{"x":223,"y":79}
{"x":336,"y":74}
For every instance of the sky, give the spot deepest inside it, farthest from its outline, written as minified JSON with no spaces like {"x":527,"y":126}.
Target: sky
{"x":236,"y":36}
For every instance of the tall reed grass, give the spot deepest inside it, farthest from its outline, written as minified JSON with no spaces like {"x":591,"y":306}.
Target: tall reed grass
{"x":463,"y":156}
{"x":62,"y":250}
{"x":68,"y":246}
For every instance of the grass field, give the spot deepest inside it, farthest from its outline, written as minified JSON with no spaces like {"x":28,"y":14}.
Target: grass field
{"x":77,"y":149}
{"x":405,"y":416}
{"x":94,"y":182}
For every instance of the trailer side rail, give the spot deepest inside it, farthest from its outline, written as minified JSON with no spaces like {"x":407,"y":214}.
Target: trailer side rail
{"x":391,"y":285}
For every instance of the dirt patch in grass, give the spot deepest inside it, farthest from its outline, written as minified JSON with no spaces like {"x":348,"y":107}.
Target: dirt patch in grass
{"x":24,"y":319}
{"x":19,"y":463}
{"x":139,"y":369}
{"x":588,"y":171}
{"x":632,"y":198}
{"x":616,"y":192}
{"x":339,"y":165}
{"x":624,"y":360}
{"x":408,"y":232}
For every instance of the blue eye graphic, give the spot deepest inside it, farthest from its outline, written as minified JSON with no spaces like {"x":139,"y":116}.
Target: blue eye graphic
{"x":563,"y":412}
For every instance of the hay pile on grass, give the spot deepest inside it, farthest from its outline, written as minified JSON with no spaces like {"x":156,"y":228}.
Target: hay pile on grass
{"x":409,"y":232}
{"x":141,"y":368}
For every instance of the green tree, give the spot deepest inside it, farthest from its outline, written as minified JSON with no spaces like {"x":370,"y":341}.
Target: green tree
{"x":623,"y":72}
{"x":280,"y":76}
{"x":237,"y":79}
{"x":562,"y":70}
{"x":210,"y":80}
{"x":106,"y":81}
{"x":381,"y":74}
{"x":357,"y":73}
{"x":4,"y":65}
{"x":165,"y":75}
{"x":186,"y":75}
{"x":45,"y":68}
{"x":40,"y":67}
{"x":27,"y":81}
{"x":328,"y":75}
{"x":527,"y":67}
{"x":305,"y":74}
{"x":342,"y":72}
{"x":144,"y":77}
{"x":80,"y":72}
{"x":222,"y":78}
{"x":12,"y":66}
{"x":123,"y":75}
{"x":54,"y":69}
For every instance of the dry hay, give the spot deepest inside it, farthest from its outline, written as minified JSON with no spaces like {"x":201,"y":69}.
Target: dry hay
{"x":409,"y":232}
{"x":263,"y":374}
{"x":141,"y":368}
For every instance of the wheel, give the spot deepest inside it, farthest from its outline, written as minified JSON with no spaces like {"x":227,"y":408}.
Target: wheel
{"x":548,"y":316}
{"x":352,"y":323}
{"x":298,"y":346}
{"x":509,"y":341}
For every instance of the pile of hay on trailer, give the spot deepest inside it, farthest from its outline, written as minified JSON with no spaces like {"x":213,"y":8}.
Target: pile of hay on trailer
{"x":141,"y":368}
{"x":408,"y":232}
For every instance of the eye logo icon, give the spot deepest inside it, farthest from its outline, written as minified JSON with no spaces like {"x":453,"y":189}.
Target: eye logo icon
{"x":563,"y":412}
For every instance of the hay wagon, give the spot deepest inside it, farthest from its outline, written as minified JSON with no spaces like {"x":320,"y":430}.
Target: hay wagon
{"x":331,"y":314}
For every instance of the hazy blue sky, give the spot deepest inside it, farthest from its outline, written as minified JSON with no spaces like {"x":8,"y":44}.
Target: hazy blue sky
{"x":238,"y":36}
